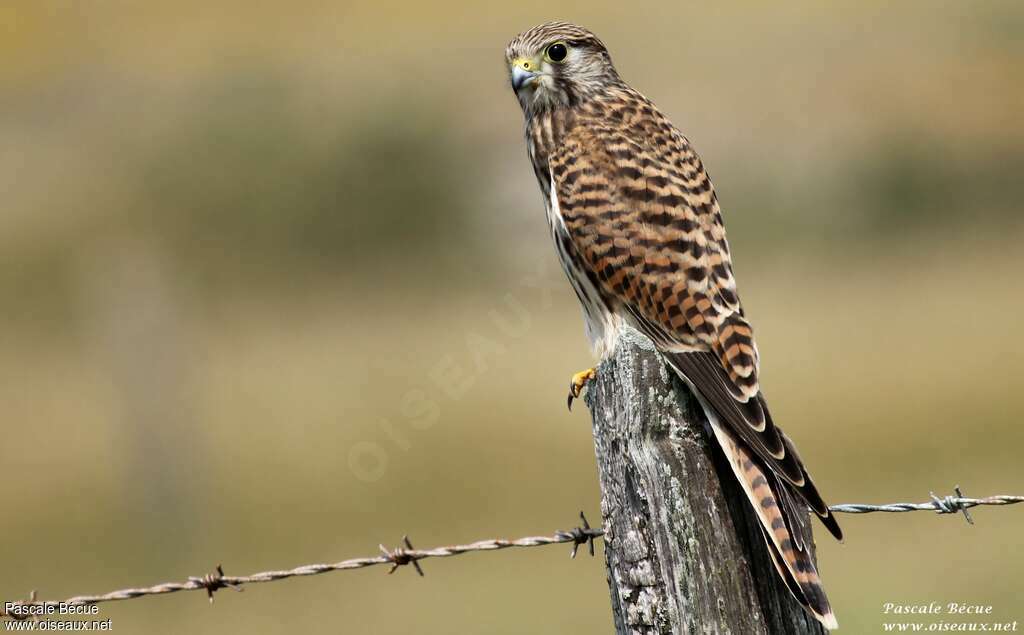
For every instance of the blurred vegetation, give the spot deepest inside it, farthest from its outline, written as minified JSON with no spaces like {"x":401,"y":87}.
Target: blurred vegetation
{"x":911,"y":184}
{"x":246,"y":187}
{"x":234,"y":236}
{"x":243,"y":190}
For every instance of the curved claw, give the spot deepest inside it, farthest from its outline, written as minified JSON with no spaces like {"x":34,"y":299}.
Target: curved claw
{"x":578,"y":382}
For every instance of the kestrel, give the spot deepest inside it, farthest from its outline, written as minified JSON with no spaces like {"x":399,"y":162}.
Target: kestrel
{"x":639,"y":232}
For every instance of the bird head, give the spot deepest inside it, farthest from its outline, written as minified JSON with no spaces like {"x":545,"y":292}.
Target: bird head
{"x":558,"y":64}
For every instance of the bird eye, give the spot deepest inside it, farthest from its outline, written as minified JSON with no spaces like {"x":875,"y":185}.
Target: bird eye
{"x":557,"y":52}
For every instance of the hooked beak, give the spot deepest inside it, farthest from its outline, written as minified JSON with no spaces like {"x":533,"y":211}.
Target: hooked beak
{"x":524,"y":72}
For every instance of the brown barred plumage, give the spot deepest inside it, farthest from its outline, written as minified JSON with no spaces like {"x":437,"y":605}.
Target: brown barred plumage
{"x":637,"y":226}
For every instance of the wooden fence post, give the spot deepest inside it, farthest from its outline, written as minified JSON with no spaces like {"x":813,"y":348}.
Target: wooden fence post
{"x":683,"y":550}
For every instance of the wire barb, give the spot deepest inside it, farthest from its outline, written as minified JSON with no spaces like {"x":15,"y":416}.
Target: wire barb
{"x":952,"y":505}
{"x":584,"y":534}
{"x":401,"y":556}
{"x":212,"y":582}
{"x":18,"y":615}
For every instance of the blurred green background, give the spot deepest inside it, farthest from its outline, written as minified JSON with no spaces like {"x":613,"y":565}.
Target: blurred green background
{"x":276,"y":287}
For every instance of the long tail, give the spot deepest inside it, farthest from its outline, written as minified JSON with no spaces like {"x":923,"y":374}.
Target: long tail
{"x":783,"y":524}
{"x":771,"y":472}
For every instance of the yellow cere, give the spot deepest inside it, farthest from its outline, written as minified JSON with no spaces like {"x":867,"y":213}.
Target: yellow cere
{"x":526,"y":64}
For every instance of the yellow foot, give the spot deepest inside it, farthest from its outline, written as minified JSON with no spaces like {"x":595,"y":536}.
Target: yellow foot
{"x":579,"y":380}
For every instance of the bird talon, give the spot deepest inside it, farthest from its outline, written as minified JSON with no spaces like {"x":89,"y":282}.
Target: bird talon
{"x":578,"y":382}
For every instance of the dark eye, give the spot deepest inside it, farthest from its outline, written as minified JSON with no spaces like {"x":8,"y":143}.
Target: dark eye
{"x":557,"y":52}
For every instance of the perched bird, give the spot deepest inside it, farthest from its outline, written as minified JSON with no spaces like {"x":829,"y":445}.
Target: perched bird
{"x":637,"y":227}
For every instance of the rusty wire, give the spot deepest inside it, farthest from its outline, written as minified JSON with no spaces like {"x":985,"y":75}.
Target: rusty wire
{"x":408,"y":555}
{"x":396,"y":558}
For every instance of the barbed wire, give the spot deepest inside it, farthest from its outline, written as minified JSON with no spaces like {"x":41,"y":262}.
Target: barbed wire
{"x":944,"y":505}
{"x":400,"y":556}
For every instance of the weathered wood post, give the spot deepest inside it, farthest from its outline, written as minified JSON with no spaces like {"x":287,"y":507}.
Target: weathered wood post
{"x":683,"y":551}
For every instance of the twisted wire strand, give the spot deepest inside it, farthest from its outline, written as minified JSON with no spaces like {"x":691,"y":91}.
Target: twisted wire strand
{"x":945,"y":505}
{"x":408,"y":555}
{"x":396,"y":558}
